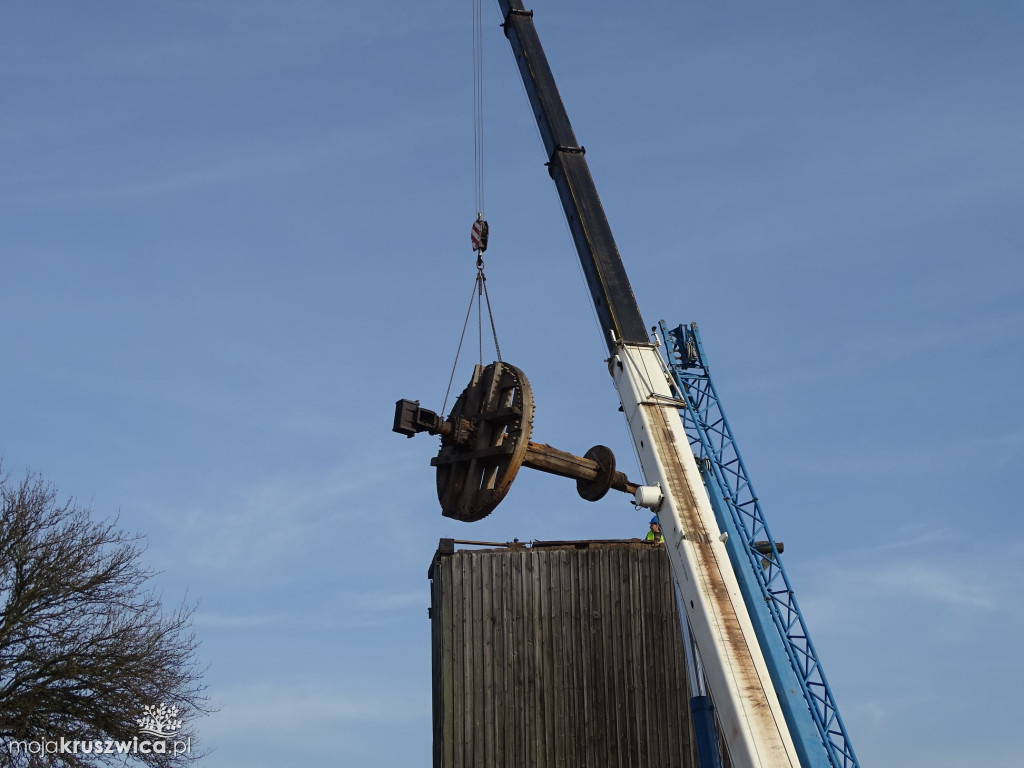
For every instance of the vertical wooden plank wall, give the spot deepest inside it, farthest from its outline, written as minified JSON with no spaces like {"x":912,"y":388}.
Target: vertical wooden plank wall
{"x":564,"y":655}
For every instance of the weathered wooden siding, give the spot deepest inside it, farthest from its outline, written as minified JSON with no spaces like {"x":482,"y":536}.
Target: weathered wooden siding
{"x":566,"y":655}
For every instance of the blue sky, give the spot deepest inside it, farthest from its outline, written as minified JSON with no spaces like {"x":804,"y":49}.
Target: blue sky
{"x":232,"y":234}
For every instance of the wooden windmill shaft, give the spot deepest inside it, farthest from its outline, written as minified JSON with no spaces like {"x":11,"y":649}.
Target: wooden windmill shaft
{"x":486,"y":439}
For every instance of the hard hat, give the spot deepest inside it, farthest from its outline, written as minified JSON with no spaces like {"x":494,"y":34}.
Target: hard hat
{"x":654,"y":520}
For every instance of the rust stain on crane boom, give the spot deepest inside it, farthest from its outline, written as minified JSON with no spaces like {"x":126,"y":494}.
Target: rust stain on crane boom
{"x":753,"y":725}
{"x":709,"y":568}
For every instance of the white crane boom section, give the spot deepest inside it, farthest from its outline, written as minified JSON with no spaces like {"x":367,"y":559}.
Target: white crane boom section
{"x":753,"y":726}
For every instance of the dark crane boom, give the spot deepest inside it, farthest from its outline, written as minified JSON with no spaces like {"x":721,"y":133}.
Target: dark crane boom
{"x":616,"y":307}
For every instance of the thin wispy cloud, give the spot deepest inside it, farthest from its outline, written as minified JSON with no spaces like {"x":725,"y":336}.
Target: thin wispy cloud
{"x":946,"y":584}
{"x":378,"y":601}
{"x":355,"y":610}
{"x":299,"y":707}
{"x":955,"y":572}
{"x":289,"y":518}
{"x":843,"y":358}
{"x":913,"y":458}
{"x":262,"y":164}
{"x":239,"y":621}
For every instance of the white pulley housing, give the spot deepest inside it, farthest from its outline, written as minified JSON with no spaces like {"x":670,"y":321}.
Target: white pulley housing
{"x":649,"y":497}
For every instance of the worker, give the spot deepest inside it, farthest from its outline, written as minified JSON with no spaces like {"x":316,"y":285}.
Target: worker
{"x":655,"y":533}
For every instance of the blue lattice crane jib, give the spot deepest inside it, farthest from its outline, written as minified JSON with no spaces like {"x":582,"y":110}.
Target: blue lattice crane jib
{"x":793,"y":663}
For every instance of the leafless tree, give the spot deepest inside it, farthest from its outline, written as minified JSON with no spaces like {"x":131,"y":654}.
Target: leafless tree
{"x":85,"y":644}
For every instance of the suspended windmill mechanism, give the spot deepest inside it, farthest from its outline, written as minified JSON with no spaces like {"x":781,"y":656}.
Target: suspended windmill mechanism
{"x":486,"y":439}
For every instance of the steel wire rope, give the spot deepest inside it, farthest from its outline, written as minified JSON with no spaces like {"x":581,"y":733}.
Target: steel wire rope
{"x":478,"y":153}
{"x":479,"y":317}
{"x":479,"y":290}
{"x":478,"y":106}
{"x":490,"y":314}
{"x":479,"y":293}
{"x":458,"y":350}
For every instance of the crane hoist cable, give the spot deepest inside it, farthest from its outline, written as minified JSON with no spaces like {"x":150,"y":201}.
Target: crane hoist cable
{"x":478,"y":109}
{"x":480,"y":230}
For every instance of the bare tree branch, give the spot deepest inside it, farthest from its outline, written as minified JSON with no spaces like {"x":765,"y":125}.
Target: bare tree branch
{"x":85,"y":645}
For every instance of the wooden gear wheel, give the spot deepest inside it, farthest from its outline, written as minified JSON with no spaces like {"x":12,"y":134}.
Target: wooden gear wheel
{"x":490,"y":432}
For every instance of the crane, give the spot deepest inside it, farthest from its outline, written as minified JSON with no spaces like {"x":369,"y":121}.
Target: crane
{"x":774,"y":708}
